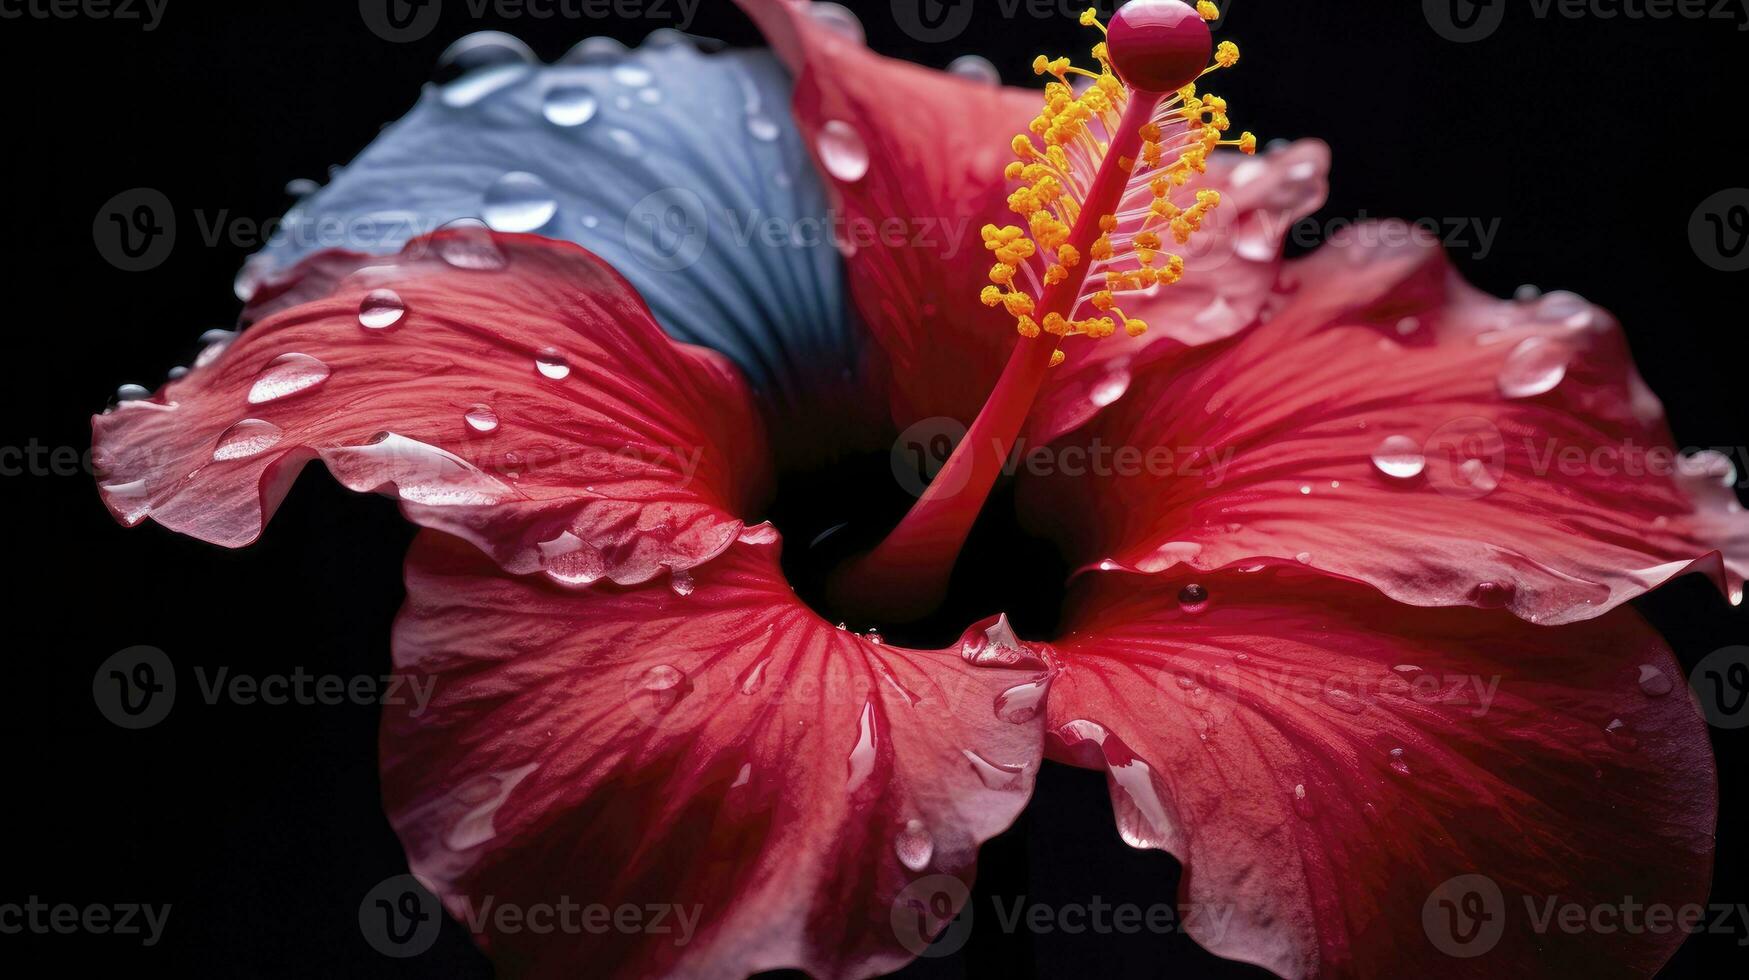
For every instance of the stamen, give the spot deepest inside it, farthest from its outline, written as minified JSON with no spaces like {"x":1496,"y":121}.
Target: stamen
{"x":1103,"y":176}
{"x":1152,"y":47}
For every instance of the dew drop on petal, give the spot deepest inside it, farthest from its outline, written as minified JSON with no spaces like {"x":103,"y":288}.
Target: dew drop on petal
{"x":753,"y":678}
{"x":250,"y":437}
{"x":1491,"y":595}
{"x":1343,"y":701}
{"x":632,"y":76}
{"x":1304,"y":558}
{"x":680,"y":581}
{"x":482,"y":49}
{"x":1398,"y":765}
{"x":1399,"y":457}
{"x":132,"y":393}
{"x":518,"y":202}
{"x":1110,"y":388}
{"x":661,"y":687}
{"x":1620,"y":736}
{"x":1534,"y":367}
{"x":1476,"y":475}
{"x":1193,"y":598}
{"x":762,"y":128}
{"x":1020,"y":703}
{"x":914,"y":846}
{"x":842,"y":151}
{"x":594,"y":50}
{"x":1302,"y":805}
{"x":380,"y":309}
{"x":569,"y":105}
{"x":481,"y":418}
{"x":285,"y":375}
{"x":838,"y":19}
{"x":994,"y":775}
{"x":862,"y":756}
{"x":975,"y":68}
{"x":551,"y":363}
{"x":625,"y":142}
{"x":467,"y":244}
{"x":1653,"y":681}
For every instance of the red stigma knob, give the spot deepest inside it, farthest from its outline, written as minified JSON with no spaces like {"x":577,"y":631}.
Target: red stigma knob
{"x":1158,"y":45}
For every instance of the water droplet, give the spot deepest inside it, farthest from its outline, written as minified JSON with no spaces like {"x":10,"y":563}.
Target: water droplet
{"x":476,"y":86}
{"x":994,"y":775}
{"x":518,"y":202}
{"x":286,"y":375}
{"x":1478,"y":476}
{"x":1020,"y":703}
{"x":176,"y":372}
{"x":1110,"y":388}
{"x":1343,"y":701}
{"x":762,"y":127}
{"x":1304,"y":558}
{"x":569,"y":105}
{"x":1491,"y":595}
{"x":997,"y":646}
{"x":632,"y":76}
{"x":467,"y":244}
{"x":301,"y":187}
{"x":380,"y":309}
{"x":1408,"y":325}
{"x":914,"y":846}
{"x":1302,"y":805}
{"x":1534,"y":367}
{"x":1620,"y":736}
{"x":743,"y":777}
{"x":132,"y":393}
{"x":250,"y":437}
{"x":551,"y":363}
{"x":482,"y":796}
{"x":753,"y":678}
{"x":481,"y":418}
{"x":650,"y":96}
{"x":481,"y":49}
{"x":839,"y":20}
{"x":874,"y":636}
{"x":1653,"y":681}
{"x":1397,"y":764}
{"x":1193,"y":598}
{"x":593,"y":50}
{"x":1399,"y":457}
{"x":1527,"y":293}
{"x":624,"y":142}
{"x":862,"y":756}
{"x":842,"y":151}
{"x":661,"y":688}
{"x":680,"y":580}
{"x":975,"y":68}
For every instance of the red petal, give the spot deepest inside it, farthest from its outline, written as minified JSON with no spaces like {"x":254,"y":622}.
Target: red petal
{"x":635,"y":461}
{"x":1385,"y":343}
{"x":793,"y":786}
{"x":1325,"y":763}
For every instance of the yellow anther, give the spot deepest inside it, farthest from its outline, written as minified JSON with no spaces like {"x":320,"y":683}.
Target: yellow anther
{"x":1055,"y":325}
{"x":1023,"y":148}
{"x":991,"y":296}
{"x":1108,"y":222}
{"x":1208,"y":10}
{"x":1248,"y":144}
{"x":1055,"y":274}
{"x":1103,"y":301}
{"x":1018,"y":304}
{"x":1026,"y":327}
{"x":1067,"y":255}
{"x":1227,"y":54}
{"x":1058,"y":357}
{"x":1014,"y":171}
{"x":1135,"y":327}
{"x":1101,"y":249}
{"x":1090,"y":17}
{"x":1002,"y":274}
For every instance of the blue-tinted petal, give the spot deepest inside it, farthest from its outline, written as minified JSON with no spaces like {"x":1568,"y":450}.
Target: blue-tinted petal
{"x":682,"y":169}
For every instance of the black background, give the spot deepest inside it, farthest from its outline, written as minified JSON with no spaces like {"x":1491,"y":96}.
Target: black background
{"x":1592,"y":141}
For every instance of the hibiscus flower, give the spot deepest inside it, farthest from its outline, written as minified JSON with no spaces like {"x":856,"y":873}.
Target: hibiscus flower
{"x":1361,"y":640}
